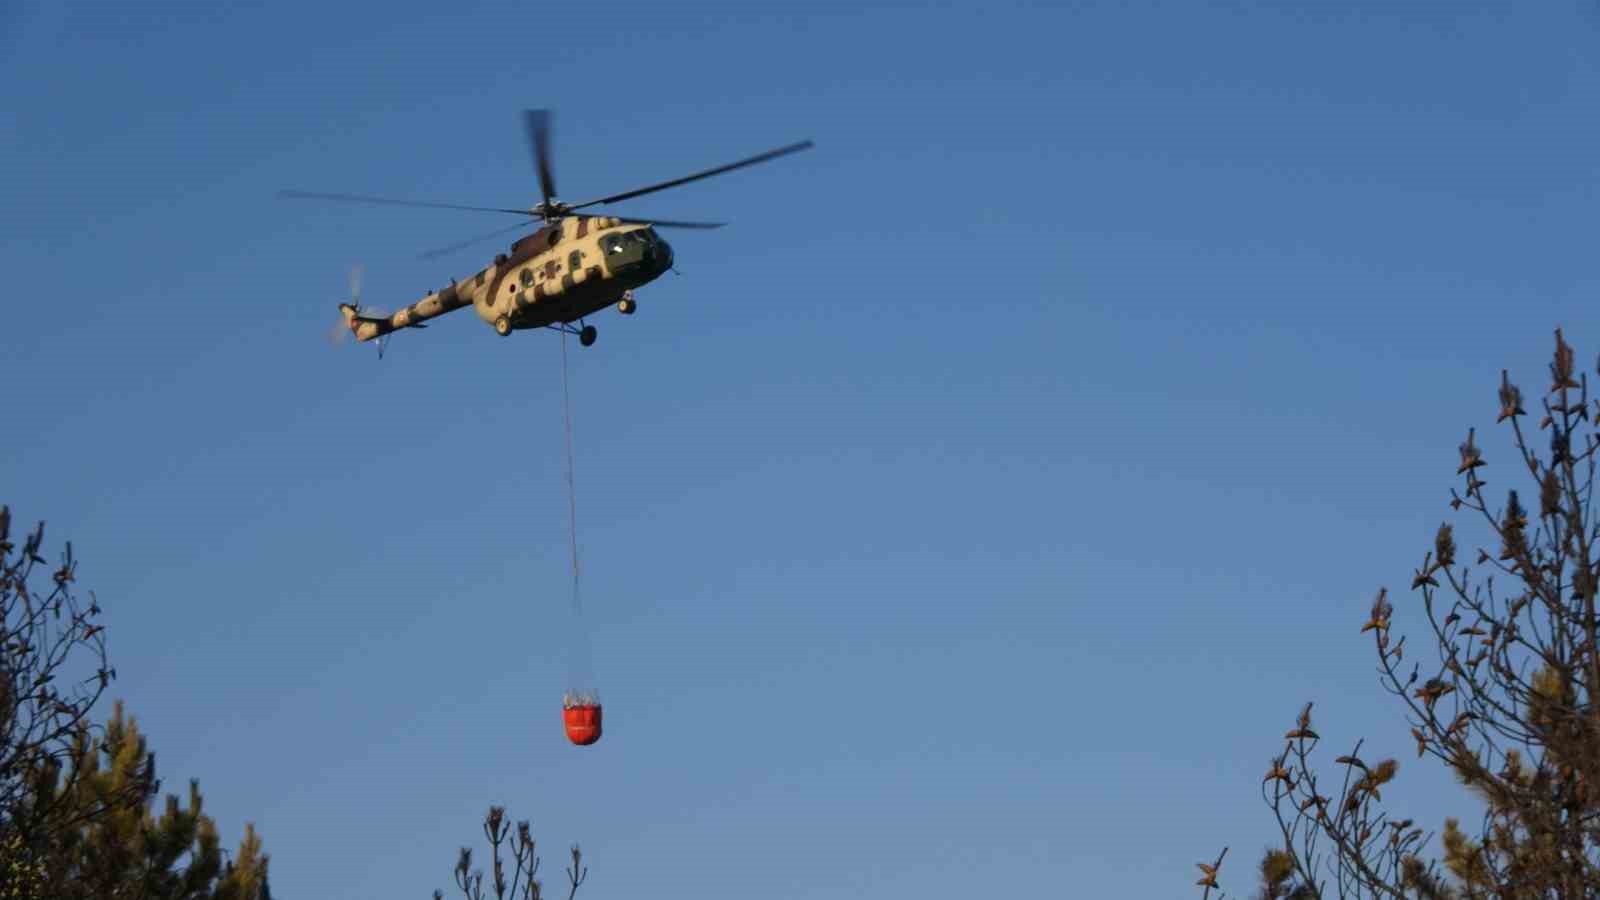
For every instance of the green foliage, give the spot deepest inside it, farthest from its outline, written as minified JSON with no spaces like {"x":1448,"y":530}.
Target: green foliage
{"x":21,"y":876}
{"x":175,"y":855}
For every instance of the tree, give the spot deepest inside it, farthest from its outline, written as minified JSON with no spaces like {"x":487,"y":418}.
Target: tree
{"x":1508,"y":704}
{"x":524,"y":885}
{"x":130,"y":850}
{"x":53,"y":669}
{"x":76,"y":817}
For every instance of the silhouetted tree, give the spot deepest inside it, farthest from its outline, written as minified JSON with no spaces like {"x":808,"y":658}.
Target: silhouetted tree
{"x":53,"y":669}
{"x":76,"y":818}
{"x":524,"y":883}
{"x":1507,"y":702}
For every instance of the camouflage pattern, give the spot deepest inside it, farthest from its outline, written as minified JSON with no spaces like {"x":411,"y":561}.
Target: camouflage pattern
{"x":566,"y":270}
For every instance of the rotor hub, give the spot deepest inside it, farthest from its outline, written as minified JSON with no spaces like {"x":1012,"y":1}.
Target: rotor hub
{"x":550,"y":209}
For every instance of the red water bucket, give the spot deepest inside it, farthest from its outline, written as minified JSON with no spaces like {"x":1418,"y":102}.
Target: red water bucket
{"x":583,"y":723}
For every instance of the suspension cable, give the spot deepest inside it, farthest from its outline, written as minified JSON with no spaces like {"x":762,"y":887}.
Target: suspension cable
{"x":572,"y":490}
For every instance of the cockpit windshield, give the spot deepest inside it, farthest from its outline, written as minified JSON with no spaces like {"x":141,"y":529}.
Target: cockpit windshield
{"x":626,"y":241}
{"x":636,"y":256}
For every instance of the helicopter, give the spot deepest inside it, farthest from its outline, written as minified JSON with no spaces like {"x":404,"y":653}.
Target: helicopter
{"x":571,"y":267}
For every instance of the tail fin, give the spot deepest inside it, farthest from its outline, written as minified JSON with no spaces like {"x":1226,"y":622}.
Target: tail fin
{"x":366,"y":328}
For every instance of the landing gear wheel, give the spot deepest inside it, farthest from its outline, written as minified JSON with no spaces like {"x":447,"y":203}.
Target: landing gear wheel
{"x":587,"y":335}
{"x":502,"y":326}
{"x":627,"y":306}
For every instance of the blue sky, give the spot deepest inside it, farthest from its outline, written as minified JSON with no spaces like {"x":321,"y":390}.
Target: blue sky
{"x":972,"y":516}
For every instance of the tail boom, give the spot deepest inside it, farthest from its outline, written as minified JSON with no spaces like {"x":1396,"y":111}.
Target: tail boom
{"x":436,"y":304}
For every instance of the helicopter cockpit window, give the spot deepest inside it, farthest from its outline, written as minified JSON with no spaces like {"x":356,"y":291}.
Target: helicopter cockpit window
{"x":624,"y":241}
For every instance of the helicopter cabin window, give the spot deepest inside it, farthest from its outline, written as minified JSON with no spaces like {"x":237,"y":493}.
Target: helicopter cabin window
{"x":575,"y":261}
{"x":526,"y":277}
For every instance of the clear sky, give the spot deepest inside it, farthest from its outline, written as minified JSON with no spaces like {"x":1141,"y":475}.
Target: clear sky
{"x":971,"y":518}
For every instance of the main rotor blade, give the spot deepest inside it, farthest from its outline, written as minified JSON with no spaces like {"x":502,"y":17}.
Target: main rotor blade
{"x":770,"y":154}
{"x":537,"y":122}
{"x":669,"y":223}
{"x":361,"y":198}
{"x":460,"y":245}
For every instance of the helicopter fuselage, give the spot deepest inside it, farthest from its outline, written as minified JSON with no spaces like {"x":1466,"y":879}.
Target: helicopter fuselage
{"x":566,"y":270}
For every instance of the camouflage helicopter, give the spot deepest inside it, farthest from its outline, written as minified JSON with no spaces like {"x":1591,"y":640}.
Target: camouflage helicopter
{"x":571,"y":267}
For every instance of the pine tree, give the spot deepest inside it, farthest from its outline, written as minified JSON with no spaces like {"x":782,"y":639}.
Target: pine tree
{"x":1507,"y":705}
{"x":21,"y":876}
{"x":524,"y":883}
{"x":133,"y":851}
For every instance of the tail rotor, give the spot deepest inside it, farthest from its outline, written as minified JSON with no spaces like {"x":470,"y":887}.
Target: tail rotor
{"x":352,"y":313}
